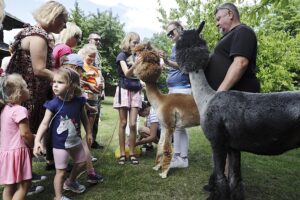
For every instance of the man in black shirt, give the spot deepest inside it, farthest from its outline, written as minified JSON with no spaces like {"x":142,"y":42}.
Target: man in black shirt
{"x":232,"y":65}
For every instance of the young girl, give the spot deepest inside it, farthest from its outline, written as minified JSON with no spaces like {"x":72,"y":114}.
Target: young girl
{"x":15,"y":138}
{"x":150,"y":132}
{"x":75,"y":62}
{"x":92,"y":77}
{"x":126,"y":100}
{"x":63,"y":116}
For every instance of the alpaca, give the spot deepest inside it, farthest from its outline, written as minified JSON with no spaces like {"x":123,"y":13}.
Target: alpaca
{"x":173,"y":110}
{"x":234,"y":121}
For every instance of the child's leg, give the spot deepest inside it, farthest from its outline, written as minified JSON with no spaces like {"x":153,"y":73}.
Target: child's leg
{"x":22,"y":189}
{"x":8,"y":191}
{"x":122,"y":127}
{"x":58,"y":182}
{"x":92,"y":175}
{"x":89,"y":164}
{"x":132,"y":125}
{"x":79,"y":156}
{"x":61,"y":158}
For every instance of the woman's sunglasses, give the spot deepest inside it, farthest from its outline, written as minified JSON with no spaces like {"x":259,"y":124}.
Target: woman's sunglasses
{"x":77,"y":37}
{"x":171,"y":33}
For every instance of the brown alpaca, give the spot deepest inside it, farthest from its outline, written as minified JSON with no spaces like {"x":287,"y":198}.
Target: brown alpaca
{"x":173,"y":110}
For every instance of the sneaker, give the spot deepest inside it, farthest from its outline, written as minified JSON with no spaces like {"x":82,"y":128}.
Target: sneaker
{"x":95,"y":178}
{"x":94,"y":159}
{"x":179,"y":162}
{"x":96,"y":145}
{"x":74,"y":186}
{"x":38,"y":178}
{"x":35,"y":190}
{"x":65,"y":198}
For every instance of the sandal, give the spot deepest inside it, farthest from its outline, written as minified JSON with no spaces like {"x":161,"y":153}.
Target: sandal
{"x":122,"y":160}
{"x":133,"y":160}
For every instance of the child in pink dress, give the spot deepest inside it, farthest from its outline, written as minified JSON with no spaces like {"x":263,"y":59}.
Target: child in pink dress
{"x":16,"y":138}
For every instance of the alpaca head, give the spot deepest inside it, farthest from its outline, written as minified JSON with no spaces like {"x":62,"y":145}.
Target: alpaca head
{"x":191,"y":50}
{"x":148,"y":68}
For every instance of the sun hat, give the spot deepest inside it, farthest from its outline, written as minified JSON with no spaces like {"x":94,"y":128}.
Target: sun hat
{"x":74,"y":59}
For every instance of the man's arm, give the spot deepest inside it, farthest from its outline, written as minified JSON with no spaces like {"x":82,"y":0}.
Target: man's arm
{"x":234,"y":73}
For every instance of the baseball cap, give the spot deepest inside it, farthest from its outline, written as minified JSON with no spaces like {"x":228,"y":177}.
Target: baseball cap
{"x":74,"y":59}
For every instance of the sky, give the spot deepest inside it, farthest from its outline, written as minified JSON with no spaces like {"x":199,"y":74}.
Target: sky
{"x":138,"y":15}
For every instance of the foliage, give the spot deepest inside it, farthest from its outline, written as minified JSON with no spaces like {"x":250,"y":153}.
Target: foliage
{"x":278,"y":61}
{"x":111,"y":31}
{"x":276,"y":23}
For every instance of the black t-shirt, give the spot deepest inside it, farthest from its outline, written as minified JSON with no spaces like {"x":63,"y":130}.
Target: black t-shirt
{"x":240,"y":41}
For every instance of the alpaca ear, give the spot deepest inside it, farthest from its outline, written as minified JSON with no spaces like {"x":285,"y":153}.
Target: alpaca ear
{"x":148,"y":46}
{"x":200,"y":27}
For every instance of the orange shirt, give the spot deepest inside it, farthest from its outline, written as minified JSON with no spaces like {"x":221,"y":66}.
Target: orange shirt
{"x":91,"y":75}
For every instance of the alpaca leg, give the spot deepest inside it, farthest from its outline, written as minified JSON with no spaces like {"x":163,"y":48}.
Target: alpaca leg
{"x":211,"y":183}
{"x":221,"y":188}
{"x":159,"y":153}
{"x":235,"y":178}
{"x":167,"y":154}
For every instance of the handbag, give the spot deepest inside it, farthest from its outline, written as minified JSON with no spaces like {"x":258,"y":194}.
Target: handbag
{"x":130,"y":84}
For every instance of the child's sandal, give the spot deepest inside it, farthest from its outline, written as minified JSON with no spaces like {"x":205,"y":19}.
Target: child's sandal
{"x":133,"y":160}
{"x":122,"y":160}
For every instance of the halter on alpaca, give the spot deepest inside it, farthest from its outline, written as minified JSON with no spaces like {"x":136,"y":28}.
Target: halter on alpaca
{"x":171,"y":109}
{"x":234,"y":121}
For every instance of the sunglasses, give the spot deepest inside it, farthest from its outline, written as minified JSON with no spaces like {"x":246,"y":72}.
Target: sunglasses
{"x":171,"y":33}
{"x":77,"y":37}
{"x":96,"y":39}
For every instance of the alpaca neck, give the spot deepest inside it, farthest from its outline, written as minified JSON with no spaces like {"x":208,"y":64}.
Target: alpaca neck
{"x":153,"y":94}
{"x":202,"y":92}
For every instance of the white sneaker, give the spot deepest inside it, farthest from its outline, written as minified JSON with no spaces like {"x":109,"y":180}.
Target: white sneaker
{"x":65,"y":198}
{"x":35,"y":190}
{"x":179,"y":162}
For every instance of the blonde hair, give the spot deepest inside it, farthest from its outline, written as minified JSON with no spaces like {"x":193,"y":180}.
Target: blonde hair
{"x":49,"y":12}
{"x":11,"y":87}
{"x":70,"y":31}
{"x":2,"y":11}
{"x":87,"y":49}
{"x":125,"y":44}
{"x":73,"y":80}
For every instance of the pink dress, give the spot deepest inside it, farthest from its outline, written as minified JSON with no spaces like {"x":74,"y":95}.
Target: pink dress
{"x":15,"y":156}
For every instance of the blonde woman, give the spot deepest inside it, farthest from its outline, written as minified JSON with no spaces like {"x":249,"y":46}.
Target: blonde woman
{"x":67,"y":39}
{"x":32,"y":57}
{"x":127,"y":100}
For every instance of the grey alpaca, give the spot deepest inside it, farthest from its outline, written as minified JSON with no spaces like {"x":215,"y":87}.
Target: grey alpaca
{"x":234,"y":121}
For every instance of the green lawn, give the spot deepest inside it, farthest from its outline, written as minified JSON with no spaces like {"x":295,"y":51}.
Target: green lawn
{"x":265,"y":178}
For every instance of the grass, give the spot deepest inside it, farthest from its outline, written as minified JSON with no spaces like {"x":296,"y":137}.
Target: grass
{"x":265,"y":177}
